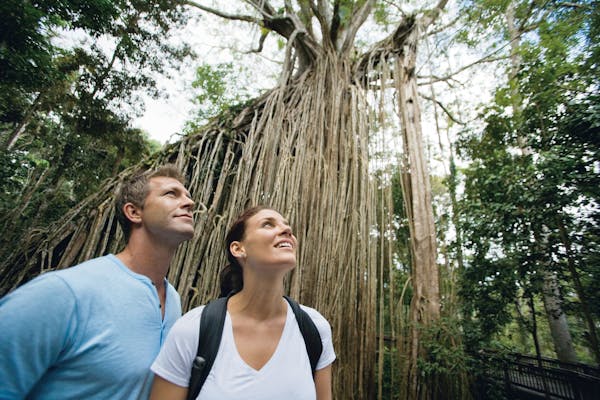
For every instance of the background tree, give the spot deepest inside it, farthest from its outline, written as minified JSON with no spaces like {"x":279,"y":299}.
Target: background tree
{"x":519,"y":219}
{"x":69,"y":77}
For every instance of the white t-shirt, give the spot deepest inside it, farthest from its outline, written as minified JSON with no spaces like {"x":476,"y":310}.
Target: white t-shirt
{"x":287,"y":375}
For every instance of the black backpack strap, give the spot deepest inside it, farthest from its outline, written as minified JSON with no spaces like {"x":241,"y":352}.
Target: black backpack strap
{"x":310,"y":333}
{"x":210,"y":332}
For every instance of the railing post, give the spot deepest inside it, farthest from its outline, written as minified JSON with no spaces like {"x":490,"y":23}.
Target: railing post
{"x":507,"y":385}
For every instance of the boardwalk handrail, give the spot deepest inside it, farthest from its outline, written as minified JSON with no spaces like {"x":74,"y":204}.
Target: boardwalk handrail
{"x":555,"y":380}
{"x":556,"y":364}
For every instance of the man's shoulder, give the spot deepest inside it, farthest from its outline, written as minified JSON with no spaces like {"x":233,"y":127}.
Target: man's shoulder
{"x":98,"y":264}
{"x":88,"y":273}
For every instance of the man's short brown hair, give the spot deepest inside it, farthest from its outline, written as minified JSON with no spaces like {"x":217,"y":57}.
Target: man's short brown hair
{"x":135,"y":189}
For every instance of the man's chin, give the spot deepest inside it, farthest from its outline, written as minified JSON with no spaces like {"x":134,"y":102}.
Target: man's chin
{"x":183,"y":235}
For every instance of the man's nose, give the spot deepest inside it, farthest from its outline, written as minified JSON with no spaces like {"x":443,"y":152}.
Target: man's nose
{"x":189,"y":203}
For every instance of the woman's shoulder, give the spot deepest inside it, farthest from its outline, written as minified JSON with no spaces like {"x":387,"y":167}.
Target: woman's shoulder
{"x":313,"y":313}
{"x":188,"y":323}
{"x":324,"y":328}
{"x":319,"y":320}
{"x":193,"y":314}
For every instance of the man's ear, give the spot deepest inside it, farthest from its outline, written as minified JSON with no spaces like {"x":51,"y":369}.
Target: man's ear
{"x":237,"y":249}
{"x":133,"y":213}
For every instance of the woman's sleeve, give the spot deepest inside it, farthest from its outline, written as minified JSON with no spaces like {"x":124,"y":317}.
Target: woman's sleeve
{"x":174,"y":362}
{"x":328,"y":353}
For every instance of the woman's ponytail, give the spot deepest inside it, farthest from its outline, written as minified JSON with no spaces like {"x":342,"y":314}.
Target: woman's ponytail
{"x":232,"y":279}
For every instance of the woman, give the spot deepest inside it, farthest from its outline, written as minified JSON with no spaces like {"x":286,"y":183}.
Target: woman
{"x":262,"y":354}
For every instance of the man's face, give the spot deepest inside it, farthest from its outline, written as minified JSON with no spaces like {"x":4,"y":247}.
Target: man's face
{"x":167,"y":210}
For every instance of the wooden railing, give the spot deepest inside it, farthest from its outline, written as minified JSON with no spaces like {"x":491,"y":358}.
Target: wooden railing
{"x":527,"y":377}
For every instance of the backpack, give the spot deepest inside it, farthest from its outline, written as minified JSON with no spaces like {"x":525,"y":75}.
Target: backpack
{"x":211,"y":329}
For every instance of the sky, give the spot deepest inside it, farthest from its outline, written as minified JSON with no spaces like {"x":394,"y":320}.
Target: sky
{"x":165,"y":117}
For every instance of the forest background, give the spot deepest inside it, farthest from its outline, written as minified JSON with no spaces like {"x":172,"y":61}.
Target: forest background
{"x":439,"y":161}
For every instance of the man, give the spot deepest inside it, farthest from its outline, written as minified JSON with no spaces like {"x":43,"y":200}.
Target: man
{"x":92,"y":331}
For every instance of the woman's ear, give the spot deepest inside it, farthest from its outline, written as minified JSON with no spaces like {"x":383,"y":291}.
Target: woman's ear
{"x":237,"y":249}
{"x":132,"y":213}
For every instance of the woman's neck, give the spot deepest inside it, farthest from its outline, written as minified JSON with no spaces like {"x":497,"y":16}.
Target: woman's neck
{"x":258,"y":301}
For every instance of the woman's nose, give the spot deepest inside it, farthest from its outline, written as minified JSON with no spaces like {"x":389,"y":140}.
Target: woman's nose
{"x":286,"y":230}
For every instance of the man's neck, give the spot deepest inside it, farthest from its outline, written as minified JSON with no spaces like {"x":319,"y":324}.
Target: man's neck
{"x":153,"y":264}
{"x":151,"y":261}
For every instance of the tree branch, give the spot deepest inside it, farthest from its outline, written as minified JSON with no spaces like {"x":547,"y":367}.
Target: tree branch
{"x":291,"y":28}
{"x":430,"y":16}
{"x":218,"y":13}
{"x":261,"y":42}
{"x":20,"y":127}
{"x":320,"y":13}
{"x":266,"y":10}
{"x":298,"y":24}
{"x":527,"y":15}
{"x":323,"y":10}
{"x":384,"y":49}
{"x":446,"y":111}
{"x":306,"y":16}
{"x":335,"y":25}
{"x":485,"y":59}
{"x":286,"y":26}
{"x":522,"y":28}
{"x":393,"y":43}
{"x":444,"y":27}
{"x":356,"y":22}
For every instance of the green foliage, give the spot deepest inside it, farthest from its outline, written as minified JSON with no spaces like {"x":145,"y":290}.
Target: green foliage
{"x":381,"y":14}
{"x":219,"y":89}
{"x":66,"y":108}
{"x":531,"y":190}
{"x":446,"y":365}
{"x":483,"y":18}
{"x":31,"y":63}
{"x":391,"y":361}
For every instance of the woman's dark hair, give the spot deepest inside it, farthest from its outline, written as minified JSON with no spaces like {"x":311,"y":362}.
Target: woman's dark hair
{"x":231,"y":276}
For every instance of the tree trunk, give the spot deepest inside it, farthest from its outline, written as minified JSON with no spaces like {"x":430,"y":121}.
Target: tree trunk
{"x":557,"y":320}
{"x":536,"y":341}
{"x":592,"y":334}
{"x":16,"y":133}
{"x":425,"y":303}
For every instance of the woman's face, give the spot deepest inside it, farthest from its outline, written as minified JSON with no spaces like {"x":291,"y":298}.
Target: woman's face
{"x":267,"y":241}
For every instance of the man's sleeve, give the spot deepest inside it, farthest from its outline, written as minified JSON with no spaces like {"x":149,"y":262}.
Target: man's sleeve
{"x":37,"y":325}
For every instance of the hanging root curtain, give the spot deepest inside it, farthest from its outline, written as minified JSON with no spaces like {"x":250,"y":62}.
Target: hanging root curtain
{"x":301,"y":148}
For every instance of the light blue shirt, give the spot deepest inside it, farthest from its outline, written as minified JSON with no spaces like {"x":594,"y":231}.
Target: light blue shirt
{"x":86,"y":332}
